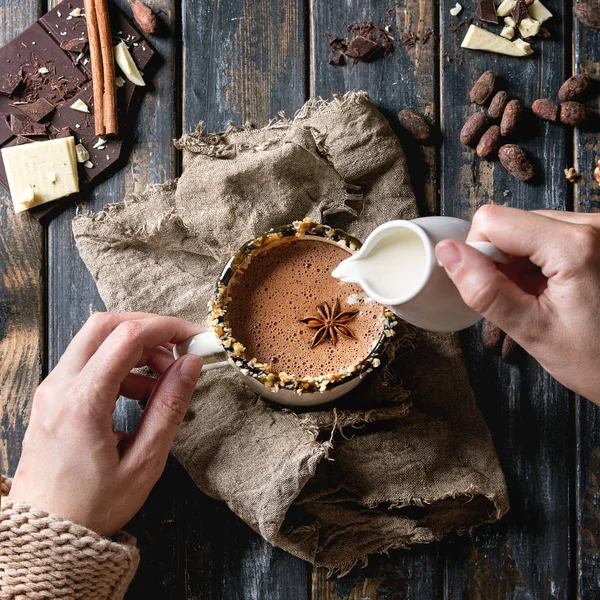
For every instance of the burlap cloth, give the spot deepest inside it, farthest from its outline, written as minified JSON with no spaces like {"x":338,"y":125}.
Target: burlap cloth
{"x":403,"y":460}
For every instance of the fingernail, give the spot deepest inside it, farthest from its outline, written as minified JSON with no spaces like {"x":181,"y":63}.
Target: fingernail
{"x":450,"y":255}
{"x":190,"y":369}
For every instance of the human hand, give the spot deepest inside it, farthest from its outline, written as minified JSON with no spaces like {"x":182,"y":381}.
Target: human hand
{"x":73,"y":463}
{"x":547,"y":298}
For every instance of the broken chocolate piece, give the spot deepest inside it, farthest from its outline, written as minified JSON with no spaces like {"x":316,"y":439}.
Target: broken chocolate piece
{"x":64,"y":132}
{"x":362,"y":48}
{"x":75,"y":45}
{"x":38,"y":110}
{"x":486,"y":11}
{"x":337,"y":59}
{"x":24,"y":126}
{"x":9,"y":82}
{"x":520,"y":12}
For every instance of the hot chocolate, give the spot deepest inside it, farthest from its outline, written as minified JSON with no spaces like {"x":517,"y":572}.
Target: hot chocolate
{"x":290,"y":313}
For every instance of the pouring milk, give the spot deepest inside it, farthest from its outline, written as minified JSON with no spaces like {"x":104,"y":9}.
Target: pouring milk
{"x":397,"y":267}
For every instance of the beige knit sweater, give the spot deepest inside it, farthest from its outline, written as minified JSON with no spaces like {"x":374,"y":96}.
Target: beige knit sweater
{"x":43,"y":556}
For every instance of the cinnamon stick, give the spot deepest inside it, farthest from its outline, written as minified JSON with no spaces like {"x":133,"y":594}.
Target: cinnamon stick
{"x":96,"y":62}
{"x":108,"y":65}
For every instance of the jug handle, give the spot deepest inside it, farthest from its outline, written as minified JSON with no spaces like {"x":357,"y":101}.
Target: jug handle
{"x":490,"y":251}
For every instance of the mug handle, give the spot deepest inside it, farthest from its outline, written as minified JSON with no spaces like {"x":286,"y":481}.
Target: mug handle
{"x":206,"y":345}
{"x":489,"y":250}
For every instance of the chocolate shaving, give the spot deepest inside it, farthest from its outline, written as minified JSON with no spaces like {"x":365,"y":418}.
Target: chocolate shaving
{"x":486,"y":11}
{"x":519,"y":12}
{"x":337,"y":59}
{"x":75,"y":45}
{"x":38,"y":110}
{"x":24,"y":126}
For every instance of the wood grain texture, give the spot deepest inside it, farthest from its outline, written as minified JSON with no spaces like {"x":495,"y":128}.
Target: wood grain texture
{"x":242,"y":60}
{"x":22,"y":263}
{"x":586,"y":59}
{"x":527,"y":554}
{"x":407,"y":79}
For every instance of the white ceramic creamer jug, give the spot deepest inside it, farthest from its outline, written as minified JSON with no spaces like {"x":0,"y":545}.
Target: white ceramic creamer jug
{"x":397,"y":267}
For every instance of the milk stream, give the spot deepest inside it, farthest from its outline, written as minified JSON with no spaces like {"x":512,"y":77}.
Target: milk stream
{"x":393,"y":267}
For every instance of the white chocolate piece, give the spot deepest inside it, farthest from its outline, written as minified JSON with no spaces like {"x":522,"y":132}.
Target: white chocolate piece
{"x":456,"y":10}
{"x":510,"y":22}
{"x":127,"y":64}
{"x":539,"y":12}
{"x":529,"y":27}
{"x":508,"y":32}
{"x":505,"y":7}
{"x":524,"y":46}
{"x":119,"y":81}
{"x":88,"y":164}
{"x":481,"y":39}
{"x":41,"y":172}
{"x":80,"y":105}
{"x":82,"y":153}
{"x":43,"y":70}
{"x":99,"y":143}
{"x":76,"y":12}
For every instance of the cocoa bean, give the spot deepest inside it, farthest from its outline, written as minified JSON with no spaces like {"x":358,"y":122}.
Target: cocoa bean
{"x":491,"y":336}
{"x":587,"y":15}
{"x":497,"y":105}
{"x":545,"y":109}
{"x":573,"y":113}
{"x":472,"y":129}
{"x":574,"y":88}
{"x":515,"y":161}
{"x":416,"y":125}
{"x":145,"y":16}
{"x":483,"y":89}
{"x":489,"y":142}
{"x":511,"y":116}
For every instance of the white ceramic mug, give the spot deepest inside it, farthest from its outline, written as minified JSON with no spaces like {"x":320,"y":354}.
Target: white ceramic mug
{"x":209,"y":345}
{"x":435,"y":304}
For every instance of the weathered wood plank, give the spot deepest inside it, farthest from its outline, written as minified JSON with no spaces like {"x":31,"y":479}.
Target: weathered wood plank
{"x":72,"y":293}
{"x":242,"y":61}
{"x":527,"y":554}
{"x":22,"y":260}
{"x":407,"y":79}
{"x":587,"y":199}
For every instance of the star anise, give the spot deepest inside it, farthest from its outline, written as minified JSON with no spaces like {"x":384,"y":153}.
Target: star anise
{"x":330,"y":323}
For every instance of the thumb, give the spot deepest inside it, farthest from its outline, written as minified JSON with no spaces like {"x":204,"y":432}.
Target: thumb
{"x":165,"y":409}
{"x":486,"y":289}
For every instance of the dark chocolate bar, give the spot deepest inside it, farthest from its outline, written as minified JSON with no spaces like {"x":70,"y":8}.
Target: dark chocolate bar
{"x":43,"y":71}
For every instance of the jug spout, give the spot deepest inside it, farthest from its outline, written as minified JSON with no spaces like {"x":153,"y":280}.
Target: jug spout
{"x":346,"y":271}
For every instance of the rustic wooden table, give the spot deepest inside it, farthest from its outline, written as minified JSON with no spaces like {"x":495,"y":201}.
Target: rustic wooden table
{"x":247,"y":59}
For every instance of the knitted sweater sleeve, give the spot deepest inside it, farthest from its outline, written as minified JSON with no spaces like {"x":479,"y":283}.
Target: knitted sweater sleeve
{"x":43,"y":556}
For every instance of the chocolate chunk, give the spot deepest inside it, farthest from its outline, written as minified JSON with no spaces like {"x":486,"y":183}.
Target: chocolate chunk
{"x":486,"y":11}
{"x":38,"y":110}
{"x":9,"y":82}
{"x":24,"y":126}
{"x":63,"y":133}
{"x":337,"y":59}
{"x":520,"y":12}
{"x":75,"y":45}
{"x":362,"y":48}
